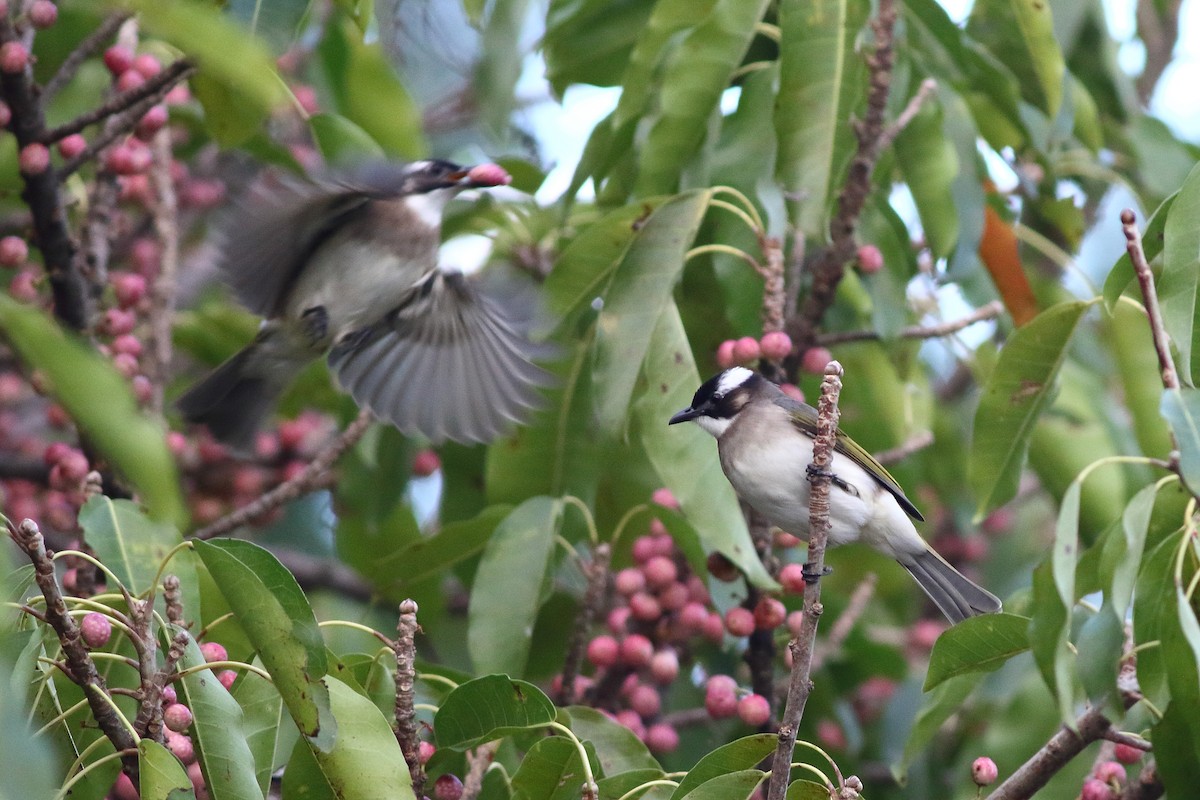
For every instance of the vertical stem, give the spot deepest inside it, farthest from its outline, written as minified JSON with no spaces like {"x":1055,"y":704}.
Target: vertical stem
{"x":800,"y":685}
{"x":593,"y":600}
{"x":406,"y":678}
{"x":1133,"y":244}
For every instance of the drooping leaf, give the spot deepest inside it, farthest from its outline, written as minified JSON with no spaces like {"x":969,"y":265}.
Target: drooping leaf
{"x":508,"y":586}
{"x":101,"y":403}
{"x":488,"y":708}
{"x":1122,"y":556}
{"x":1018,"y":390}
{"x":734,"y":757}
{"x":1181,"y":408}
{"x":1021,"y":34}
{"x":821,"y":83}
{"x":1180,"y":282}
{"x":551,"y":770}
{"x":1049,"y":627}
{"x":1100,"y":643}
{"x":272,"y":610}
{"x":588,"y":41}
{"x":930,"y":164}
{"x":617,"y":747}
{"x":979,"y":644}
{"x":160,"y":775}
{"x":453,"y":543}
{"x":268,"y":731}
{"x":341,"y":141}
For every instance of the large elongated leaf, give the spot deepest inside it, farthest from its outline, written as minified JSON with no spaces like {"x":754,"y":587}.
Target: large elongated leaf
{"x":588,"y":41}
{"x":453,"y":543}
{"x":736,"y":756}
{"x":269,"y":734}
{"x":979,"y":644}
{"x":488,"y":708}
{"x":218,"y":732}
{"x":939,"y":705}
{"x":1021,"y":33}
{"x":507,"y":591}
{"x":272,"y":610}
{"x":1017,"y":392}
{"x":821,"y":82}
{"x":1180,"y":282}
{"x":102,"y":405}
{"x":684,"y":456}
{"x":1181,"y":408}
{"x":641,"y":288}
{"x":930,"y":165}
{"x":1048,"y":629}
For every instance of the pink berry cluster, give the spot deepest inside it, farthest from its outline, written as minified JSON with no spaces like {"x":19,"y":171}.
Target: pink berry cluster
{"x":1107,"y":780}
{"x":773,"y":346}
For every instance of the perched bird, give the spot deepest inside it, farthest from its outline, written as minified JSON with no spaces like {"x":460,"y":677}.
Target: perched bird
{"x":348,"y":267}
{"x":765,"y":442}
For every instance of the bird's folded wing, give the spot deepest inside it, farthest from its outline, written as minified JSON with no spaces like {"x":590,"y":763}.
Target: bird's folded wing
{"x":451,"y":363}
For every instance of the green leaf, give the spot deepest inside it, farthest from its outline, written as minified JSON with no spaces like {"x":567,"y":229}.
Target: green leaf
{"x":617,"y":747}
{"x":694,"y":76}
{"x":453,"y":543}
{"x":1100,"y":643}
{"x":1017,"y":392}
{"x":341,"y":141}
{"x":806,"y":790}
{"x":684,"y":456}
{"x":641,"y":288}
{"x":268,"y":732}
{"x":978,"y":644}
{"x":622,"y":783}
{"x":1153,"y":240}
{"x":1021,"y":34}
{"x":278,"y":22}
{"x":820,"y":84}
{"x":730,"y":786}
{"x":930,"y":165}
{"x":1180,"y":281}
{"x":938,"y":706}
{"x":551,"y":770}
{"x":218,"y":731}
{"x":1181,"y":409}
{"x":302,"y":776}
{"x":735,"y":757}
{"x":489,"y":708}
{"x":1065,"y":552}
{"x":1180,"y":643}
{"x":1122,"y":555}
{"x":133,"y":546}
{"x":507,"y":590}
{"x":1048,"y":630}
{"x":234,"y":64}
{"x":365,"y":761}
{"x":275,"y":615}
{"x":588,"y":41}
{"x":101,"y":403}
{"x":160,"y":775}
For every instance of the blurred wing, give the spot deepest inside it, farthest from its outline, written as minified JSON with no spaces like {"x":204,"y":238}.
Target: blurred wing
{"x":804,"y":417}
{"x":450,"y":363}
{"x":271,"y":233}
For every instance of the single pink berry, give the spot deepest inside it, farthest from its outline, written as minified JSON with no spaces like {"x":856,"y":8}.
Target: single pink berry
{"x":984,"y":772}
{"x":673,"y":596}
{"x":714,"y":628}
{"x":118,"y":59}
{"x":74,"y":465}
{"x":791,"y":577}
{"x":629,"y":581}
{"x":5,"y":115}
{"x":754,"y":710}
{"x":177,"y":717}
{"x":195,"y":774}
{"x":775,"y":345}
{"x":306,"y":98}
{"x":660,"y":571}
{"x":447,"y":787}
{"x":1110,"y":772}
{"x":34,"y":159}
{"x":129,"y":288}
{"x":632,"y":720}
{"x":123,"y":789}
{"x":127,"y":343}
{"x":1127,"y":754}
{"x":618,"y":619}
{"x":720,"y":697}
{"x":147,"y":65}
{"x":725,"y":358}
{"x":43,"y":14}
{"x":169,"y":695}
{"x":151,"y":122}
{"x":54,"y":453}
{"x":14,"y":57}
{"x":661,"y":738}
{"x":636,"y":650}
{"x":129,"y":80}
{"x":95,"y":628}
{"x":126,"y":364}
{"x":923,"y":634}
{"x":117,"y":321}
{"x":830,"y":734}
{"x":794,"y":622}
{"x":425,"y":751}
{"x":643,"y":549}
{"x":814,"y":360}
{"x":425,"y":463}
{"x":603,"y":651}
{"x":71,"y":146}
{"x":769,"y":614}
{"x":489,"y":175}
{"x":870,"y":260}
{"x":645,"y":700}
{"x":214,"y":651}
{"x":746,"y":350}
{"x":739,"y":621}
{"x":13,"y":251}
{"x":792,"y":390}
{"x":664,"y":666}
{"x":181,"y":745}
{"x":226,"y":677}
{"x":692,"y":617}
{"x":1094,"y":789}
{"x":645,"y":607}
{"x":665,"y":498}
{"x":722,"y":568}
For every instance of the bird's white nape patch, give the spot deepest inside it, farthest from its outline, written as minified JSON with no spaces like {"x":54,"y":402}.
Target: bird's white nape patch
{"x":713,"y":425}
{"x":428,"y":206}
{"x":731,"y":379}
{"x":419,"y":166}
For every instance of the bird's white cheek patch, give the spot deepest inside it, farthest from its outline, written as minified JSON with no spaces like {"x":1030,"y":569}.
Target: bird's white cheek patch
{"x":713,"y":425}
{"x":428,"y":207}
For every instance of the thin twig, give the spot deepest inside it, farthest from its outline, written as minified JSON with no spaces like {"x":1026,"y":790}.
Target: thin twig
{"x":1133,"y":245}
{"x":918,"y":441}
{"x":800,"y":685}
{"x":87,"y":47}
{"x":478,"y":761}
{"x":139,"y":97}
{"x":981,"y":314}
{"x":307,"y":480}
{"x":594,"y":597}
{"x":1054,"y":755}
{"x":406,"y":679}
{"x":927,"y":88}
{"x":844,"y":624}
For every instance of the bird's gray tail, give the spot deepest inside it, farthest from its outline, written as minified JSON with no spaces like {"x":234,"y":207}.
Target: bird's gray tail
{"x":955,"y":595}
{"x":236,"y":398}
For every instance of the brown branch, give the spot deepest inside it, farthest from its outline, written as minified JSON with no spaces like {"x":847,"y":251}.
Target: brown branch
{"x":918,"y":441}
{"x":800,"y":685}
{"x":1054,"y":755}
{"x":87,"y":47}
{"x":306,"y":481}
{"x":163,"y":290}
{"x":845,"y":623}
{"x":79,"y":666}
{"x":1133,"y":245}
{"x":830,"y":265}
{"x":1133,"y":740}
{"x":41,"y":193}
{"x":981,"y":314}
{"x":927,"y":88}
{"x":593,"y":601}
{"x":1158,"y":32}
{"x":123,"y":104}
{"x":406,"y":679}
{"x":478,"y":760}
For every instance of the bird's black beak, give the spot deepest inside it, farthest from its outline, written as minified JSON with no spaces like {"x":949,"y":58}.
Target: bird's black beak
{"x":684,"y":416}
